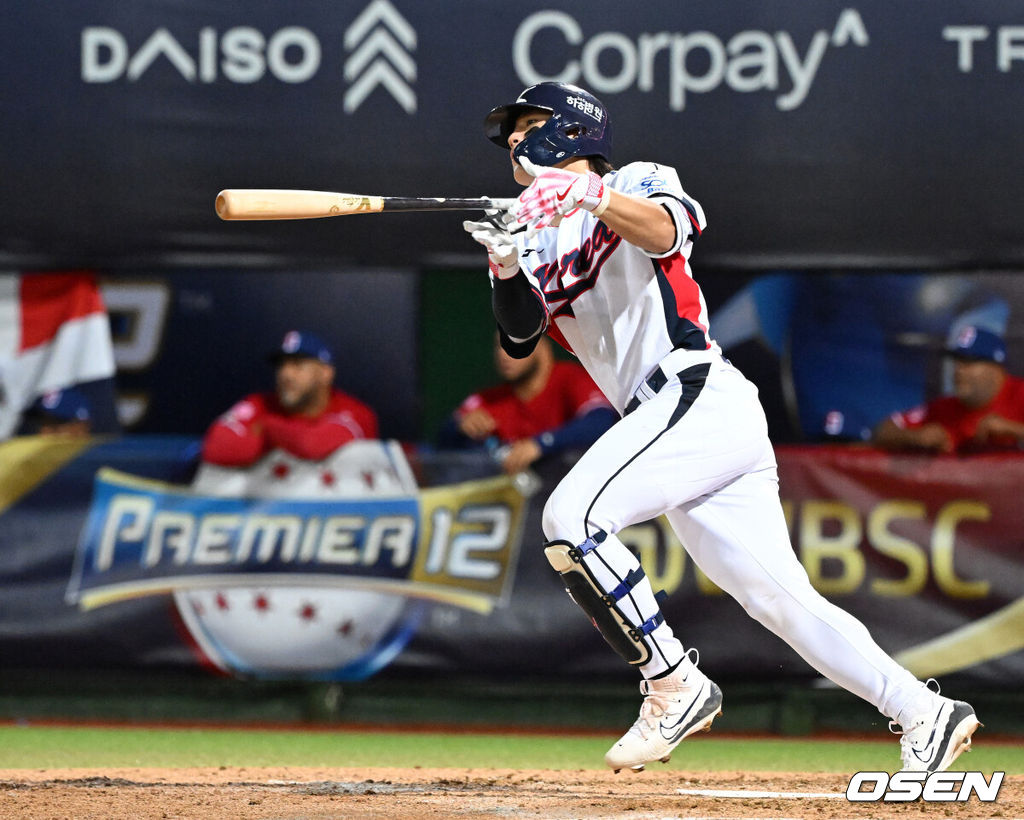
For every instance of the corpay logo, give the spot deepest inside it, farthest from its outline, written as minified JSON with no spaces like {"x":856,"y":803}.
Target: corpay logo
{"x":750,"y":60}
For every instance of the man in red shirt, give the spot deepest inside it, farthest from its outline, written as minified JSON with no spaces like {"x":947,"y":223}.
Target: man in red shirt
{"x":984,"y":413}
{"x":305,"y":416}
{"x":543,"y":406}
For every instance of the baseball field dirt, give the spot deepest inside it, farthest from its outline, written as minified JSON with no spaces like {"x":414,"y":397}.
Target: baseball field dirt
{"x":416,"y":794}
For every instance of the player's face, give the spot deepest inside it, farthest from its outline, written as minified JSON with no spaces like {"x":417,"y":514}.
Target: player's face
{"x":976,"y":383}
{"x":524,"y":124}
{"x":302,"y":383}
{"x":514,"y":370}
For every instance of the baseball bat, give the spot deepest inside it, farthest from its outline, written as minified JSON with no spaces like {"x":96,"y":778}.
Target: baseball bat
{"x":263,"y":203}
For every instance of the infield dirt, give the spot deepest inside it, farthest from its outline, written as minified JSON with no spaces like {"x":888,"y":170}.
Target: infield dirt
{"x":414,"y":794}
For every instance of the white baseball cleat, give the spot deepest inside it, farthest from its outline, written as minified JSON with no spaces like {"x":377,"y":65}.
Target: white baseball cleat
{"x":674,"y":708}
{"x":934,"y":739}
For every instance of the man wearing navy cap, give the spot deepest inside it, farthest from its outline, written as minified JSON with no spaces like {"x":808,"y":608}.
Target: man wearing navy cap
{"x":59,"y":412}
{"x":984,"y":413}
{"x":306,"y":415}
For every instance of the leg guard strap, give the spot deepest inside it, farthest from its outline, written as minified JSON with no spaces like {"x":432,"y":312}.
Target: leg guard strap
{"x":620,"y":592}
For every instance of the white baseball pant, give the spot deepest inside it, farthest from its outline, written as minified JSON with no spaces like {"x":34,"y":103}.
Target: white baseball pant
{"x":700,"y":454}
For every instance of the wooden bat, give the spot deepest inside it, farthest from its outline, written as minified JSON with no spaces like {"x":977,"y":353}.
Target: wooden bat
{"x":269,"y":203}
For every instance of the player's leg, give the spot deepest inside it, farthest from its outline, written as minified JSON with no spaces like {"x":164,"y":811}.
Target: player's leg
{"x":739,"y":539}
{"x":681,"y":444}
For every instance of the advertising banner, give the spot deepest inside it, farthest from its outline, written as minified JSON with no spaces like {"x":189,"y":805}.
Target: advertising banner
{"x":863,"y":134}
{"x":120,"y":553}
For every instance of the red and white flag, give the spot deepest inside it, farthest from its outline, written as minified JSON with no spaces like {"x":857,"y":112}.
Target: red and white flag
{"x":54,"y":333}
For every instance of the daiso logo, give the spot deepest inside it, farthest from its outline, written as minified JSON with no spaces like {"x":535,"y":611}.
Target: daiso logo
{"x":241,"y":54}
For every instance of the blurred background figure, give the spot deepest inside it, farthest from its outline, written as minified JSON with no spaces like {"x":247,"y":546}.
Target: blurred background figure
{"x":985,"y":411}
{"x":306,"y":415}
{"x":542,"y":406}
{"x":54,"y":334}
{"x":58,"y":413}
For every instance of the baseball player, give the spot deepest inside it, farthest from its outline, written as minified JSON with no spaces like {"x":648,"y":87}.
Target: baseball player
{"x":542,"y":407}
{"x":985,"y":412}
{"x":305,"y":415}
{"x":598,"y":258}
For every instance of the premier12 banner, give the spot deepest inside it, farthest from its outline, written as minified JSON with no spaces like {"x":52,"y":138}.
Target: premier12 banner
{"x":312,"y":570}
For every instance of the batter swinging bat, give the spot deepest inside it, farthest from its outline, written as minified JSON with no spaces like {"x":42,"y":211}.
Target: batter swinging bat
{"x":257,"y":203}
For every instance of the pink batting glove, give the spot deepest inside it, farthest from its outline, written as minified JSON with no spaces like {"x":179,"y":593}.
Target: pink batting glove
{"x":554,"y":193}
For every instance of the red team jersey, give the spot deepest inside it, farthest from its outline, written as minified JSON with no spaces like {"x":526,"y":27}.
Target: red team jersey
{"x":258,"y":424}
{"x":569,"y":393}
{"x":961,"y":422}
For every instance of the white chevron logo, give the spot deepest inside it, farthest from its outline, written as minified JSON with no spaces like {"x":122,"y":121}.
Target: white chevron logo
{"x":381,"y":57}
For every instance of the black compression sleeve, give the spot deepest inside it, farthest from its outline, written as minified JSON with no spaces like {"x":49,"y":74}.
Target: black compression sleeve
{"x":517,"y":307}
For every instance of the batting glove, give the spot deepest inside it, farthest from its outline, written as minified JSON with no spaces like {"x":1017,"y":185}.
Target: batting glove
{"x":493,"y":233}
{"x":554,"y":193}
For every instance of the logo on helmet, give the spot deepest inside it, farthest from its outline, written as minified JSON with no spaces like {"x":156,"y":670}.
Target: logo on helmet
{"x":585,"y":106}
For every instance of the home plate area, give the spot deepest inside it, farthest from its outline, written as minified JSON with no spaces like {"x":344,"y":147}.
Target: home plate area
{"x":275,"y":793}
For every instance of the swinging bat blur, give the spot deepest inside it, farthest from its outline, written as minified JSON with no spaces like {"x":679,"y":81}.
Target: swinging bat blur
{"x":261,"y":203}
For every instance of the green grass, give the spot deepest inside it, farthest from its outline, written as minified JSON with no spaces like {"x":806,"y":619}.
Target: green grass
{"x":47,"y":747}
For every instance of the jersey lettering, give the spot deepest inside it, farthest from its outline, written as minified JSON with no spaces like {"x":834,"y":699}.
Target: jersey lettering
{"x":576,"y":272}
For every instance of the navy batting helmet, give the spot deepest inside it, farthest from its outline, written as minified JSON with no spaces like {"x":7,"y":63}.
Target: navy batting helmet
{"x":579,"y":125}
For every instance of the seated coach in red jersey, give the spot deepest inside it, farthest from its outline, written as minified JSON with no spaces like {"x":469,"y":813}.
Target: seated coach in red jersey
{"x":985,"y":413}
{"x":305,"y":415}
{"x":542,"y":406}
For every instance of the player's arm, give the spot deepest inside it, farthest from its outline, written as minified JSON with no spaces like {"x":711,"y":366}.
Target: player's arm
{"x":579,"y":432}
{"x":236,"y":439}
{"x":640,"y":221}
{"x":517,"y":303}
{"x":315,"y":440}
{"x":520,"y":313}
{"x":930,"y":436}
{"x":589,"y":413}
{"x":993,"y":427}
{"x":657,"y":222}
{"x":576,"y":434}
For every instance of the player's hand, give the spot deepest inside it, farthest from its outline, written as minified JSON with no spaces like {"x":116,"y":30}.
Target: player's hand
{"x":478,"y":424}
{"x":995,"y":427}
{"x":521,"y":454}
{"x":934,"y":437}
{"x":493,"y":233}
{"x":556,"y":192}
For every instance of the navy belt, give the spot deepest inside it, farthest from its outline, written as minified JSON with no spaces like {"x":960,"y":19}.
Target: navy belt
{"x":655,"y":382}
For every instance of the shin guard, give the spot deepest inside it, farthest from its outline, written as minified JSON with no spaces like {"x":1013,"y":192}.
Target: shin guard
{"x":613,"y":590}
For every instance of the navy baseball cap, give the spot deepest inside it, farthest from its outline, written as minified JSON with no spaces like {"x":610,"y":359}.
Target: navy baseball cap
{"x":300,"y":344}
{"x":977,"y":344}
{"x":63,"y":405}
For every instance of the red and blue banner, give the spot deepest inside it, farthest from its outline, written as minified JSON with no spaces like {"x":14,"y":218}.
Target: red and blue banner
{"x":114,"y":553}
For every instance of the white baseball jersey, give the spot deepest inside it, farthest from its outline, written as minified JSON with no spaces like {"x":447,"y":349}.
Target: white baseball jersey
{"x":619,"y":309}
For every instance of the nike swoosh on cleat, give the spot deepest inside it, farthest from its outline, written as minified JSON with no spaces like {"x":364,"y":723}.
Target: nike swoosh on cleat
{"x":929,"y":759}
{"x":711,"y":704}
{"x":957,"y":714}
{"x":672,"y":735}
{"x":926,"y":759}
